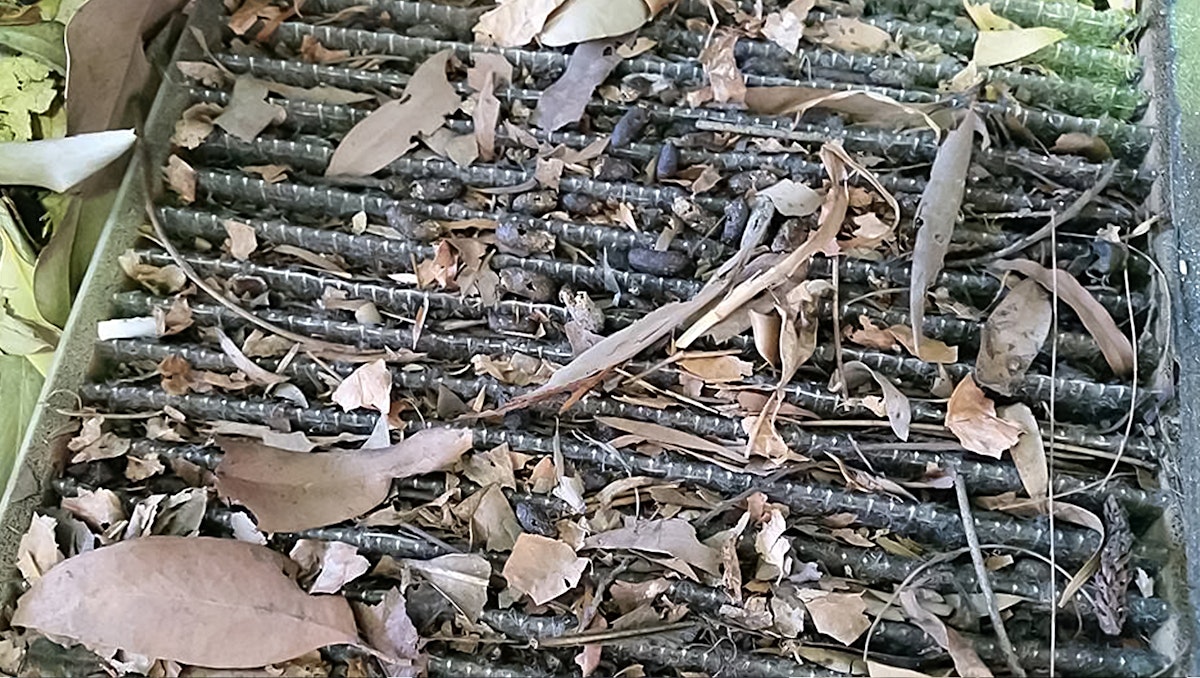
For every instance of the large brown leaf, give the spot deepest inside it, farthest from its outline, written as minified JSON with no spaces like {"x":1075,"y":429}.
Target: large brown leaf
{"x":1012,"y":337}
{"x":289,"y":491}
{"x":197,"y":600}
{"x":1113,"y":343}
{"x":564,"y":101}
{"x":936,"y":213}
{"x":388,"y":132}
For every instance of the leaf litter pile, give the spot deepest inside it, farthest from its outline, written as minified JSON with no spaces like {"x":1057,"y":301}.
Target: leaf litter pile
{"x":628,"y":338}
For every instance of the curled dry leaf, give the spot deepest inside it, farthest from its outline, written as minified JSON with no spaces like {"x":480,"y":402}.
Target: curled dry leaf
{"x":971,"y":417}
{"x":196,"y":600}
{"x":462,"y":578}
{"x":564,"y":101}
{"x":334,"y":563}
{"x":785,"y":27}
{"x":181,"y":178}
{"x":936,"y":213}
{"x":1113,"y":343}
{"x":899,"y":411}
{"x":674,"y":537}
{"x":369,"y":386}
{"x":290,"y":491}
{"x":773,"y":548}
{"x":727,"y":82}
{"x":1029,"y":454}
{"x":792,"y":198}
{"x":966,"y":661}
{"x":388,"y":132}
{"x":1012,"y":337}
{"x":100,"y":508}
{"x":242,"y":239}
{"x":38,"y":549}
{"x":543,"y":568}
{"x":930,"y":350}
{"x":838,"y":615}
{"x":388,"y":628}
{"x":257,"y":374}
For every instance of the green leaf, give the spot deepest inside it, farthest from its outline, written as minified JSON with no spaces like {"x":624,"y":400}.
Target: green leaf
{"x":26,"y":88}
{"x":21,"y":385}
{"x":18,"y":338}
{"x":43,"y":41}
{"x":16,"y":273}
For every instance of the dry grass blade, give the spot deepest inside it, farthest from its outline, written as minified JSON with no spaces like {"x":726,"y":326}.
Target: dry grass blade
{"x":1113,"y":343}
{"x":664,"y":435}
{"x":197,"y":600}
{"x":290,"y":491}
{"x":937,"y":212}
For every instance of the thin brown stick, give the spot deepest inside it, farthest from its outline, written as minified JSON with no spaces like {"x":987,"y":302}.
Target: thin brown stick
{"x":985,"y":582}
{"x":608,"y":636}
{"x":1042,"y":233}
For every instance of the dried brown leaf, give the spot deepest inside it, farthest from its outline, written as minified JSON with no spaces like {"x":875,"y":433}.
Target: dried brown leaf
{"x":242,"y":239}
{"x":369,"y":386}
{"x":717,"y":57}
{"x":312,"y":51}
{"x":388,"y":132}
{"x":194,"y":126}
{"x":937,"y":212}
{"x":38,"y":550}
{"x":838,"y":615}
{"x":786,"y":27}
{"x":543,"y":568}
{"x":564,"y":101}
{"x":899,"y":411}
{"x":181,"y":179}
{"x":930,"y":350}
{"x":198,"y":600}
{"x":773,"y":548}
{"x":1029,"y":454}
{"x":248,"y":112}
{"x":582,"y":20}
{"x":849,"y":34}
{"x":289,"y":491}
{"x":1112,"y":341}
{"x":485,"y":116}
{"x":966,"y":661}
{"x":1081,"y":143}
{"x":492,"y":518}
{"x":462,"y":578}
{"x":792,"y":198}
{"x":100,"y":508}
{"x":515,"y":23}
{"x":388,"y":628}
{"x":1013,"y":336}
{"x":717,"y":369}
{"x":857,"y":105}
{"x":335,"y":563}
{"x":257,"y":374}
{"x":673,"y":537}
{"x":971,"y":417}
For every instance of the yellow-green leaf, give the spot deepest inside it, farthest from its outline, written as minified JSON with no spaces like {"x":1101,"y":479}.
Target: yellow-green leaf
{"x":26,"y":88}
{"x":993,"y":48}
{"x":20,"y":383}
{"x":18,"y":338}
{"x":987,"y":20}
{"x":42,"y":41}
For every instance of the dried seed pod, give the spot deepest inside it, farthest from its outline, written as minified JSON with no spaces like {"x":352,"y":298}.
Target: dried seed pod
{"x":436,"y":189}
{"x":752,"y":180}
{"x":580,"y":203}
{"x":613,"y":169}
{"x":668,"y":161}
{"x":666,"y":263}
{"x":527,"y":284}
{"x":737,"y":212}
{"x":535,"y":203}
{"x":514,"y":238}
{"x":410,"y":226}
{"x":629,"y":127}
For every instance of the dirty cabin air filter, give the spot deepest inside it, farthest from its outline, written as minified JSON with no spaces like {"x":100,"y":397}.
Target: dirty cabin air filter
{"x":677,"y":338}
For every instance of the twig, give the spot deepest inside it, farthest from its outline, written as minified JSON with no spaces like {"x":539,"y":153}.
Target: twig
{"x":1042,"y":233}
{"x":985,"y":582}
{"x":589,"y":612}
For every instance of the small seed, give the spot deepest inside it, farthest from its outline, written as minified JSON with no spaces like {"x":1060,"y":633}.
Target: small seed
{"x":737,"y":213}
{"x":668,"y":161}
{"x":629,"y":127}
